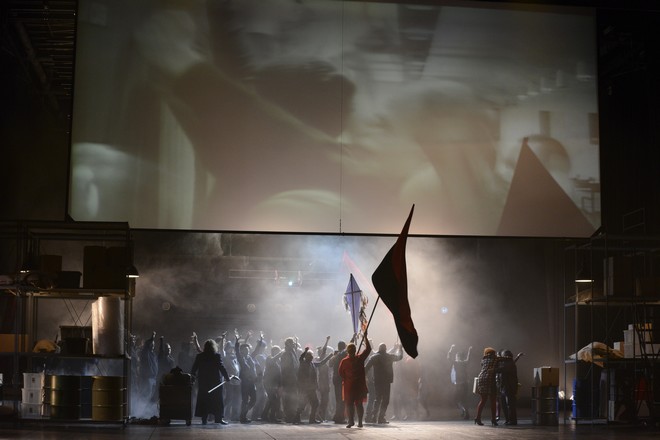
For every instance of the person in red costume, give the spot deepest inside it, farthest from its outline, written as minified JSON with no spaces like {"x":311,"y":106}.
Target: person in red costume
{"x":354,"y":382}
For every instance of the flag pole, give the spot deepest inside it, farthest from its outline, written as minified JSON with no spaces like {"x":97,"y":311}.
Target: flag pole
{"x":368,"y":323}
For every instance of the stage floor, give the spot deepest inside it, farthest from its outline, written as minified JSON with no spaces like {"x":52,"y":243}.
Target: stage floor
{"x":326,"y":431}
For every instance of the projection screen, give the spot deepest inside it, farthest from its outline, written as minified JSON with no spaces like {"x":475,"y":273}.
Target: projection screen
{"x":322,"y":116}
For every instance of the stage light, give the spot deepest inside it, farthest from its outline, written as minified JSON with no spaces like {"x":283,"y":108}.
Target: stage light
{"x":132,"y":272}
{"x":583,"y":275}
{"x":583,"y":280}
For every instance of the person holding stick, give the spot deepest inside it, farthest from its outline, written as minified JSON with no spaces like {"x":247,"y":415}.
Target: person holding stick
{"x":354,"y":382}
{"x":211,"y":374}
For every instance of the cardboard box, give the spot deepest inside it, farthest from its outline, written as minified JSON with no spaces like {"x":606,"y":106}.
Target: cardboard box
{"x":105,"y":268}
{"x":117,"y":261}
{"x":51,"y":264}
{"x":94,"y":269}
{"x":546,"y":377}
{"x":68,"y":279}
{"x":633,"y":336}
{"x":635,"y":350}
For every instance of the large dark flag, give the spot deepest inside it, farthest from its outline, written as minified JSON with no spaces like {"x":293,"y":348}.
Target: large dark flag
{"x":391,"y":282}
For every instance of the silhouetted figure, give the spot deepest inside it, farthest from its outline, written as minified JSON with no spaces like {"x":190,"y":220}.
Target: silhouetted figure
{"x":406,"y":389}
{"x":166,"y":361}
{"x":148,"y":368}
{"x":259,"y":355}
{"x":369,"y":416}
{"x":354,"y":382}
{"x":324,"y":379}
{"x":248,"y":376}
{"x":508,"y":386}
{"x":186,"y":355}
{"x":336,"y":359}
{"x":382,"y":363}
{"x":233,"y":389}
{"x":289,"y":367}
{"x":308,"y":384}
{"x":272,"y":383}
{"x":459,"y":379}
{"x":424,"y":387}
{"x":210,"y":372}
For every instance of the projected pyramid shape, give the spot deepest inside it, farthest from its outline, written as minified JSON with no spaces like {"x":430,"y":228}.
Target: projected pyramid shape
{"x":537,"y":206}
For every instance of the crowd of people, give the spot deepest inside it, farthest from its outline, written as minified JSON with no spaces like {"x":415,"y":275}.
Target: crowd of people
{"x":241,"y":379}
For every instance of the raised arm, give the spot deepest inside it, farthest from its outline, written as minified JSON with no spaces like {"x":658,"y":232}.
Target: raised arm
{"x":221,"y":349}
{"x":398,"y":350}
{"x":237,"y":345}
{"x":302,"y":355}
{"x":367,"y":348}
{"x":325,"y":346}
{"x":195,"y":341}
{"x":261,"y":345}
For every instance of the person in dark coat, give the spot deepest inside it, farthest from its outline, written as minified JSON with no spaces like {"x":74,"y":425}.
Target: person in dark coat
{"x":508,"y":386}
{"x":166,"y":361}
{"x":382,"y":363}
{"x":308,"y":384}
{"x":149,"y":369}
{"x":338,"y":355}
{"x":248,"y":375}
{"x":232,"y":392}
{"x":210,"y":372}
{"x":486,"y":385}
{"x":324,"y":381}
{"x":354,"y":382}
{"x":289,"y":374}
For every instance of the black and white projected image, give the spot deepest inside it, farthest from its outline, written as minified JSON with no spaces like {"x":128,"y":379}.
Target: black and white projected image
{"x":336,"y":116}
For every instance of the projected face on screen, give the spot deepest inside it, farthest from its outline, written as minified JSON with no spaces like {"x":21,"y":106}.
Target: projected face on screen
{"x":330,"y":116}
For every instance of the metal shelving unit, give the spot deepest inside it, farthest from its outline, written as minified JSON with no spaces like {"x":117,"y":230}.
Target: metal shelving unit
{"x":611,"y":329}
{"x":36,"y":294}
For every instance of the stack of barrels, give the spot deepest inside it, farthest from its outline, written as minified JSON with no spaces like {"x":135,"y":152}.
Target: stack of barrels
{"x":545,"y":402}
{"x":545,"y":406}
{"x":99,"y":398}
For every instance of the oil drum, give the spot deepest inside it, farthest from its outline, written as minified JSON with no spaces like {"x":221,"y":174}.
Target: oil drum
{"x":65,"y":397}
{"x":108,"y":398}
